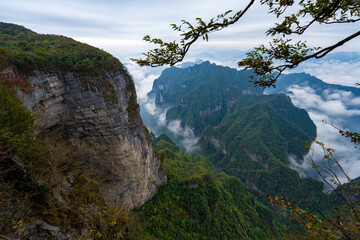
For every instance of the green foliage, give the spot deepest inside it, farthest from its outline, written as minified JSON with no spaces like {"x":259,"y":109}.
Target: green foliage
{"x":15,"y":119}
{"x":197,"y":203}
{"x":354,"y":136}
{"x":29,"y":51}
{"x":133,"y":110}
{"x":254,"y":143}
{"x":26,"y":51}
{"x":108,"y":224}
{"x":173,"y":52}
{"x":262,"y":59}
{"x":340,"y":218}
{"x":17,"y":126}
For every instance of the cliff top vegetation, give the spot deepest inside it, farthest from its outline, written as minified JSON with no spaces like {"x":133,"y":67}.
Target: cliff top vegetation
{"x":28,"y":50}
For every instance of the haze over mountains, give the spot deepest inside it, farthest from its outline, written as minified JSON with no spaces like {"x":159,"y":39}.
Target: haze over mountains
{"x":335,"y":104}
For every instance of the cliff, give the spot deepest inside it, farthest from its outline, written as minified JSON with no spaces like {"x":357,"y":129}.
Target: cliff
{"x":86,"y":96}
{"x":123,"y":154}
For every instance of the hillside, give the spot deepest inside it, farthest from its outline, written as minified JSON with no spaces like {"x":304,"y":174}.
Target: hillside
{"x":198,"y":203}
{"x":256,"y":142}
{"x":29,"y":51}
{"x":74,"y":150}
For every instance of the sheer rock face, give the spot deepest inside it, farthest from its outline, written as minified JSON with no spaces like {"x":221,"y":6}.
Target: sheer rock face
{"x":101,"y":113}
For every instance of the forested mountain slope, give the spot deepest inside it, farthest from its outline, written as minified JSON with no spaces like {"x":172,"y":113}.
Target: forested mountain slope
{"x":242,"y":131}
{"x":198,"y":203}
{"x":200,"y":95}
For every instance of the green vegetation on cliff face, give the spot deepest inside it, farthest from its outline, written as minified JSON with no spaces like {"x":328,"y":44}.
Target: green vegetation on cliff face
{"x":255,"y":141}
{"x":26,"y":51}
{"x":197,"y":203}
{"x":30,"y":51}
{"x":264,"y":127}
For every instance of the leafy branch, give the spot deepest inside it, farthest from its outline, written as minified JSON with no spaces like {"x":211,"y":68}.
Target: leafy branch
{"x":320,"y":11}
{"x":354,"y":136}
{"x":263,"y":60}
{"x":266,"y":62}
{"x":172,"y":52}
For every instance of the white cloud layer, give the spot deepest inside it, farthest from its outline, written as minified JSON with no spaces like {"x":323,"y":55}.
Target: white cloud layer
{"x":338,"y":108}
{"x":333,"y":104}
{"x":143,"y":79}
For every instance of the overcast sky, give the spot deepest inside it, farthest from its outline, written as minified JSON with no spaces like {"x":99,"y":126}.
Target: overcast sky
{"x":118,"y":26}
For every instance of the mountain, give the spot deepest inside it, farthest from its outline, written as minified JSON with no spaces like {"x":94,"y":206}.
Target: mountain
{"x":240,"y":130}
{"x":332,"y":107}
{"x":260,"y":121}
{"x":200,"y":95}
{"x":256,"y":141}
{"x":79,"y":149}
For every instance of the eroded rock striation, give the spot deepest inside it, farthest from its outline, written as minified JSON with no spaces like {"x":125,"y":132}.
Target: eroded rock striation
{"x":101,"y":113}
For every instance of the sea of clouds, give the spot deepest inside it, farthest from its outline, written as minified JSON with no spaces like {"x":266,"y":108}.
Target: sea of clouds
{"x":327,"y":109}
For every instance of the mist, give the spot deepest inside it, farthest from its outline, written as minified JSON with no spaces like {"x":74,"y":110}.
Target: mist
{"x":328,"y":109}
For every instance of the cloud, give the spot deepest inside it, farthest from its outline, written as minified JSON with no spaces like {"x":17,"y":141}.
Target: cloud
{"x":128,"y":21}
{"x":334,"y":71}
{"x":338,"y":108}
{"x":332,"y":103}
{"x":143,"y":79}
{"x":186,"y":133}
{"x":158,"y":113}
{"x":183,"y":136}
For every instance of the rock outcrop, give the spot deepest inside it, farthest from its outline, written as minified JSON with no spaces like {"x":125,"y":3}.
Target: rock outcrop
{"x":101,"y":113}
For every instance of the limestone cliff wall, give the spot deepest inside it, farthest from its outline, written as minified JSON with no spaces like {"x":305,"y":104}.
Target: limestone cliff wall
{"x":101,"y":112}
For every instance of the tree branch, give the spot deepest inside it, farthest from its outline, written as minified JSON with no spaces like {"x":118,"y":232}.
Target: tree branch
{"x":172,"y":52}
{"x":260,"y":60}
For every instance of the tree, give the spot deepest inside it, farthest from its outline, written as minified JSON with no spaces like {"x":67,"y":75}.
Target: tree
{"x":267,"y":62}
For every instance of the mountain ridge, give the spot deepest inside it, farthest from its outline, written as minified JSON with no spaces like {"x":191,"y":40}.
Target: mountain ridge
{"x":241,"y":131}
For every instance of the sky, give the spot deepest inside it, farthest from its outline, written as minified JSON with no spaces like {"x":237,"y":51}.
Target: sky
{"x":118,"y":26}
